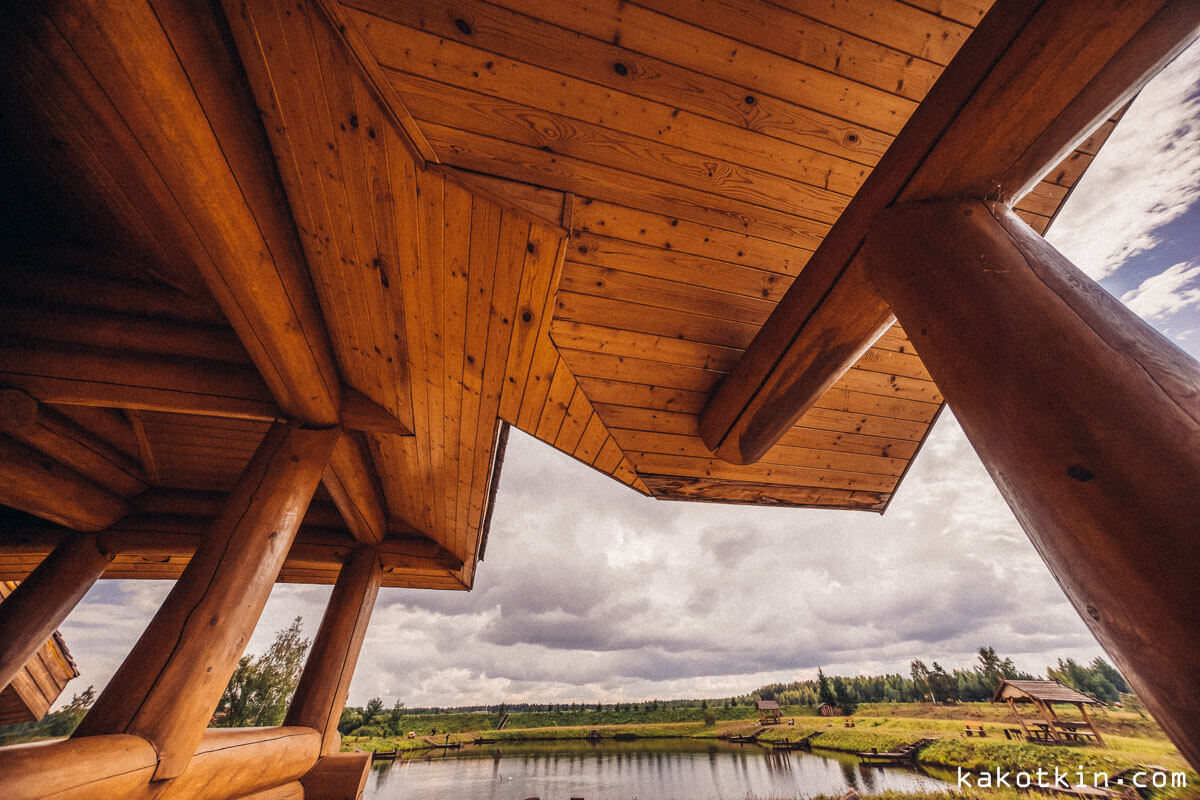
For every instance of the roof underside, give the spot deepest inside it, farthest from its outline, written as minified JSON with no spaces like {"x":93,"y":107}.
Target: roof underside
{"x":1044,"y":691}
{"x":572,"y":217}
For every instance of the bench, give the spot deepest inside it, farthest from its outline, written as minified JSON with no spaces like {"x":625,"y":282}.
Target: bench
{"x":974,"y":731}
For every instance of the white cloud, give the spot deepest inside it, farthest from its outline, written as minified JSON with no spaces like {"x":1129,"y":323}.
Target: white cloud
{"x":1167,"y":292}
{"x":1146,"y":175}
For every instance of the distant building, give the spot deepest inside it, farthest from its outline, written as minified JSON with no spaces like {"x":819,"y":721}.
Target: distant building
{"x":769,"y":712}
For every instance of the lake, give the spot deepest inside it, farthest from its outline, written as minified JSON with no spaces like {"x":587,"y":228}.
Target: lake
{"x":664,"y":769}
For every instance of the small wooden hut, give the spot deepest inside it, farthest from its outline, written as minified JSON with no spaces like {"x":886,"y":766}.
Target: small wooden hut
{"x":1043,"y":696}
{"x":35,"y":686}
{"x":769,"y":712}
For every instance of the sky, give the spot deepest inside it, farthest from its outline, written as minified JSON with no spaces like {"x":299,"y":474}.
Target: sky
{"x":590,"y":592}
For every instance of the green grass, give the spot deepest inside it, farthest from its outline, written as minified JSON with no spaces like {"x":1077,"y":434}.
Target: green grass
{"x":1129,"y":738}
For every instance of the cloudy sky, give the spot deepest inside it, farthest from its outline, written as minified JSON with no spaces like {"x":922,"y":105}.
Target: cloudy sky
{"x":591,"y":592}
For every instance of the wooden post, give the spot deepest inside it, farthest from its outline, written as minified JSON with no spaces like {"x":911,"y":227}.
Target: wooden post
{"x":168,"y":686}
{"x":1087,"y":419}
{"x":30,"y":615}
{"x":321,"y":694}
{"x":1013,"y":705}
{"x":1088,"y":719}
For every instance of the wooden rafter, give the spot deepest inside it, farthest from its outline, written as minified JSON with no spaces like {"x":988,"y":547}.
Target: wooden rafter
{"x":1022,"y":92}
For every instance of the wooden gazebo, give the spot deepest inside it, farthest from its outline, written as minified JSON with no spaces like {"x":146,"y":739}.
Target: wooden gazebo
{"x":1043,"y":696}
{"x":769,"y":712}
{"x":279,"y":276}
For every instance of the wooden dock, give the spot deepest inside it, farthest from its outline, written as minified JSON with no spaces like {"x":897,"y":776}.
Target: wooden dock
{"x":904,"y":754}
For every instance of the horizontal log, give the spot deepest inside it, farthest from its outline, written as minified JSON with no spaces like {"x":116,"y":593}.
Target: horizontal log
{"x":228,"y":763}
{"x":160,"y":536}
{"x":32,"y":481}
{"x":55,"y":373}
{"x":138,"y":333}
{"x":289,"y":791}
{"x":1022,"y":92}
{"x":79,"y":375}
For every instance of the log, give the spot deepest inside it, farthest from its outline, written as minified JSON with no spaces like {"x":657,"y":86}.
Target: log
{"x":338,"y":776}
{"x":32,"y":613}
{"x":188,"y":149}
{"x":168,"y":686}
{"x":95,"y":768}
{"x":86,"y":376}
{"x":289,"y":791}
{"x":232,"y":762}
{"x":1022,"y":92}
{"x":157,"y":536}
{"x":1087,"y":419}
{"x":229,"y":762}
{"x":55,"y":435}
{"x":351,"y":481}
{"x":36,"y":483}
{"x":325,"y":682}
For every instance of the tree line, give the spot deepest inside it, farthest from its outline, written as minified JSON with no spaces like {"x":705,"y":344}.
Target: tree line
{"x":932,"y":683}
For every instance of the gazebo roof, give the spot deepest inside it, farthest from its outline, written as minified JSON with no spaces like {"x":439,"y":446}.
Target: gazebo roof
{"x":1045,"y":691}
{"x":767,"y":705}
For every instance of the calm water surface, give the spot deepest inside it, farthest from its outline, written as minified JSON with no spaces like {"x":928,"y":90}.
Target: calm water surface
{"x":675,"y":769}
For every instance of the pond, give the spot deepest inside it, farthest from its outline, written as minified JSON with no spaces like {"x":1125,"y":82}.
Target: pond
{"x":665,"y":769}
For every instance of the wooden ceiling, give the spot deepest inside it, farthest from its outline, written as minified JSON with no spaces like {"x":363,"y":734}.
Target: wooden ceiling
{"x":439,"y":217}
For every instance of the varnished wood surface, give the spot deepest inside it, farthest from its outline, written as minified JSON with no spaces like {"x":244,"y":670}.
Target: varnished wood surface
{"x":228,"y":763}
{"x":1084,"y":415}
{"x":338,"y":776}
{"x":967,"y":140}
{"x":166,"y":688}
{"x":31,"y":614}
{"x":324,"y":685}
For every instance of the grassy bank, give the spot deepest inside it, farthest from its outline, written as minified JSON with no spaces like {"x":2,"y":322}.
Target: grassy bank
{"x":1129,"y":738}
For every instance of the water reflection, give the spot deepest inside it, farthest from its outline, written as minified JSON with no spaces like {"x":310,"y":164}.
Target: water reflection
{"x":672,"y":769}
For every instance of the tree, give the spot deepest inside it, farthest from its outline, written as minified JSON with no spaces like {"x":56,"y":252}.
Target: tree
{"x":845,"y":697}
{"x":260,"y":688}
{"x":824,"y":690}
{"x":921,"y":676}
{"x":373,"y":711}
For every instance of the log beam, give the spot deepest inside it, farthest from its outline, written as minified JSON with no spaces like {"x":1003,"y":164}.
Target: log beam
{"x":1021,"y":93}
{"x":34,"y":482}
{"x":32,"y":613}
{"x":1087,"y":419}
{"x":153,"y":537}
{"x":53,"y":434}
{"x":325,"y":682}
{"x":351,"y":482}
{"x":86,"y":376}
{"x":229,"y":762}
{"x":164,"y":85}
{"x":167,"y":687}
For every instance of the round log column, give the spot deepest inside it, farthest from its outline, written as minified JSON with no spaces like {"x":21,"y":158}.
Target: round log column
{"x":1087,"y":419}
{"x":168,"y":686}
{"x":325,"y":682}
{"x":30,"y":615}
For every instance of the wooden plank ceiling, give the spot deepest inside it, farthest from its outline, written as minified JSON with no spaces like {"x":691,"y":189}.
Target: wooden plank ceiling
{"x":708,"y":147}
{"x":570,"y":217}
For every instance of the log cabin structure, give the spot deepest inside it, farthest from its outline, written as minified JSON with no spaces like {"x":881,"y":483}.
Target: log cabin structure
{"x":36,"y":684}
{"x":279,"y":276}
